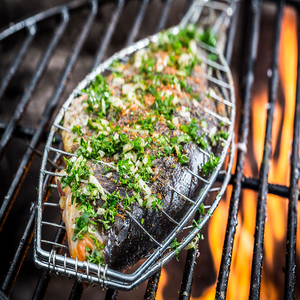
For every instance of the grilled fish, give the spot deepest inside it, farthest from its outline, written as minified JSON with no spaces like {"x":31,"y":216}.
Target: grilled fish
{"x":134,"y":137}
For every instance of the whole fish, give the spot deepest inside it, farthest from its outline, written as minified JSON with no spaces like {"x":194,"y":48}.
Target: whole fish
{"x":138,"y":135}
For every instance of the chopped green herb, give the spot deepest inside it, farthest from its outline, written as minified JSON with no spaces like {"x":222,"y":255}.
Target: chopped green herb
{"x":77,"y":129}
{"x":81,"y":226}
{"x":211,"y":164}
{"x":171,"y":125}
{"x":201,"y":209}
{"x":183,"y":159}
{"x":221,"y":134}
{"x":174,"y":246}
{"x":106,"y":170}
{"x":212,"y":57}
{"x":208,"y":38}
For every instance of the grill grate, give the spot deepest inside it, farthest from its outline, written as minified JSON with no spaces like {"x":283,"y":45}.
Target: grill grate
{"x":12,"y":129}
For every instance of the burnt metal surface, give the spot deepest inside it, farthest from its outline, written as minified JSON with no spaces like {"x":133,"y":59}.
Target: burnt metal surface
{"x":290,"y":268}
{"x":189,"y":270}
{"x":152,"y":286}
{"x":255,"y":7}
{"x":264,"y":168}
{"x":77,"y":291}
{"x":111,"y":294}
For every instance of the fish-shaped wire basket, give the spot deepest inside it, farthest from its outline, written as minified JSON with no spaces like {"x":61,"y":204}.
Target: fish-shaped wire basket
{"x":49,"y":254}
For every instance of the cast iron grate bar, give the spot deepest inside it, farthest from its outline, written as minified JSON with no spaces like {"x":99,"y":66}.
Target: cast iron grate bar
{"x":111,"y":294}
{"x":290,"y":276}
{"x":189,"y":269}
{"x":243,"y":136}
{"x":14,"y":66}
{"x":23,"y":167}
{"x":11,"y":125}
{"x":137,"y":22}
{"x":152,"y":286}
{"x":20,"y":131}
{"x":253,"y":184}
{"x":231,"y":32}
{"x":19,"y":254}
{"x":264,"y":169}
{"x":164,"y":15}
{"x":76,"y":291}
{"x":112,"y":26}
{"x":27,"y":132}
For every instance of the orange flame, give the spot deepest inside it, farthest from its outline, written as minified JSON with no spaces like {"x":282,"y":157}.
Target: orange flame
{"x":162,"y":283}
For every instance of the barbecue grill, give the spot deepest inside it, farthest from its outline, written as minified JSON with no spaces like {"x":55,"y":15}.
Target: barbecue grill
{"x":38,"y":134}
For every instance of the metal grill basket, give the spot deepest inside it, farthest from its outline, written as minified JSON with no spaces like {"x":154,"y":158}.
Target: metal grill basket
{"x":61,"y":263}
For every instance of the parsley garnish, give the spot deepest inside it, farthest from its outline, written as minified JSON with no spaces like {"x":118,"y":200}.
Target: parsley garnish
{"x":201,"y":209}
{"x":174,"y":246}
{"x":96,"y":255}
{"x":81,"y":226}
{"x":196,"y":225}
{"x":77,"y":129}
{"x":221,"y":134}
{"x":106,"y":170}
{"x":183,"y":159}
{"x":98,"y":95}
{"x":208,"y":38}
{"x":208,"y":167}
{"x":191,"y":129}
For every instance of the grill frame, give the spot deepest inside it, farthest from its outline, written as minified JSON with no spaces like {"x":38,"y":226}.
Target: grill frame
{"x":238,"y":180}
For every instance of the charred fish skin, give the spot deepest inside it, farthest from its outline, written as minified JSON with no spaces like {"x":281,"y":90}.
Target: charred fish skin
{"x":145,"y":123}
{"x":123,"y":253}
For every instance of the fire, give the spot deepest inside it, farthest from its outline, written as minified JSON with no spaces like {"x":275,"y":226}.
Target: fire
{"x":162,"y":283}
{"x":275,"y":230}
